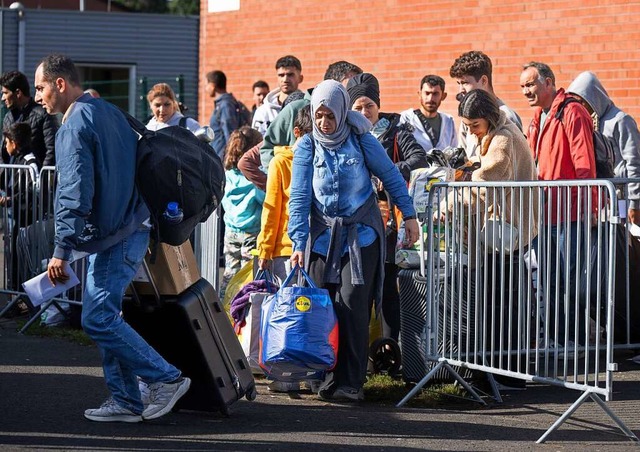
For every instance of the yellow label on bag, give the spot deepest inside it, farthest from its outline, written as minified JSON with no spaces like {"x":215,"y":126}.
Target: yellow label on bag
{"x":303,"y":304}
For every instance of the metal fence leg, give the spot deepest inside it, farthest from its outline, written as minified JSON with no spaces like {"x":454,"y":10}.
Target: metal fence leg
{"x":11,"y":304}
{"x":420,"y":384}
{"x":43,"y":307}
{"x":427,"y":377}
{"x":494,"y":388}
{"x":466,"y":385}
{"x":567,"y":414}
{"x":615,"y":418}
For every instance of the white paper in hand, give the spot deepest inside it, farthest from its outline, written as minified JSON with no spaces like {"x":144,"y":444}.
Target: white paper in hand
{"x":40,"y":289}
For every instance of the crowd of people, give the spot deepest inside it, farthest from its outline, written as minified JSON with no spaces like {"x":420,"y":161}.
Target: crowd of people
{"x":316,"y":178}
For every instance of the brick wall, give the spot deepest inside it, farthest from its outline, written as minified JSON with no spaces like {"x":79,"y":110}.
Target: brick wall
{"x":402,"y":40}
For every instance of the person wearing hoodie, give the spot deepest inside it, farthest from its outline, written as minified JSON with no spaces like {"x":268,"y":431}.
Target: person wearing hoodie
{"x":405,"y":152}
{"x":620,"y":128}
{"x":289,"y":72}
{"x":242,"y":203}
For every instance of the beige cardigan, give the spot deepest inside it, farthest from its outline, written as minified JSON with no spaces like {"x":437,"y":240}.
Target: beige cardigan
{"x":504,"y":156}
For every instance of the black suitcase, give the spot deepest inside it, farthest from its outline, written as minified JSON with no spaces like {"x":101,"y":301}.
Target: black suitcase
{"x":192,"y":332}
{"x":413,"y":317}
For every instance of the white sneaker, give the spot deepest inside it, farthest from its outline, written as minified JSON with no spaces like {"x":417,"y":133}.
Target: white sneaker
{"x":163,"y":397}
{"x":110,"y":411}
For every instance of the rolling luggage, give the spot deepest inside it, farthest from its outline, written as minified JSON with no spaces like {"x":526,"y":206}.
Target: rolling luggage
{"x":192,"y":332}
{"x":413,"y":319}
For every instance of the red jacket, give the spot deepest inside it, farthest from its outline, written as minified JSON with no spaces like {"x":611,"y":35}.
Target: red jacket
{"x":563,"y":150}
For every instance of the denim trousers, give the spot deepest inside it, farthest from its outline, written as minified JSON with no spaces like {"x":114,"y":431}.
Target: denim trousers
{"x":125,"y":355}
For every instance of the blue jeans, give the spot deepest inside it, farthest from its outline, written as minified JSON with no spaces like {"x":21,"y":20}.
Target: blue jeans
{"x":125,"y":355}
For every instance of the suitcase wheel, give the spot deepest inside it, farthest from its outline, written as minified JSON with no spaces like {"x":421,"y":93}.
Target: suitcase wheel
{"x":385,"y":356}
{"x":251,"y":394}
{"x":224,"y":410}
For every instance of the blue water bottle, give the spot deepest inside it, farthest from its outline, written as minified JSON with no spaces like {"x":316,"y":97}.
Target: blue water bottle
{"x":173,"y":214}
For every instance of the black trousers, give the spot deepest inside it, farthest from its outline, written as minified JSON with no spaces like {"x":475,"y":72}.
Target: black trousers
{"x":390,"y":303}
{"x":353,"y":309}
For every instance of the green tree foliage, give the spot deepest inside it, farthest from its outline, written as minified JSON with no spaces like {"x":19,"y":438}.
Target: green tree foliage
{"x":184,"y":7}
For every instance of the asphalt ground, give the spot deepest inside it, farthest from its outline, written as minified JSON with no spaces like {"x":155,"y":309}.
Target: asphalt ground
{"x":46,"y":384}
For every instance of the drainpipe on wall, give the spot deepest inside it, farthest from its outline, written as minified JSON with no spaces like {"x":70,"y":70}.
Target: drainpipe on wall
{"x":19,"y":7}
{"x":2,"y":40}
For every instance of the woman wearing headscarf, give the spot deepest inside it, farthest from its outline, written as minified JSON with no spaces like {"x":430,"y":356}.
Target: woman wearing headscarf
{"x":336,"y":227}
{"x":405,"y":152}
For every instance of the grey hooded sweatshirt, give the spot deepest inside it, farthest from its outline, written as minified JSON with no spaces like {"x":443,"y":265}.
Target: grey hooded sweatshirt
{"x":616,"y":125}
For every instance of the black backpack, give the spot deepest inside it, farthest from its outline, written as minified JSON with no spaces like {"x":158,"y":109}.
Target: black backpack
{"x":244,"y":114}
{"x":172,"y":165}
{"x":602,"y":147}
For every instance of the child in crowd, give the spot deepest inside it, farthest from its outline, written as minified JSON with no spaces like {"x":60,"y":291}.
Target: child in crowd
{"x":18,"y":186}
{"x":274,"y":245}
{"x":242,"y":203}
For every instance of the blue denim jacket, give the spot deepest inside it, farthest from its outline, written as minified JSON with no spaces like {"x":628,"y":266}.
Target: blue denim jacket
{"x":224,"y":120}
{"x":97,"y":203}
{"x":338,"y":182}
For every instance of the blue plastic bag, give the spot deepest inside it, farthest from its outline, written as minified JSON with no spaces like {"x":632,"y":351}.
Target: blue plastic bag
{"x":298,"y":332}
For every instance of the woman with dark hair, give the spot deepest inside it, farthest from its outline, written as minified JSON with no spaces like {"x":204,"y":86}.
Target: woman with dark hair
{"x":504,"y":155}
{"x":336,"y":226}
{"x":405,"y":152}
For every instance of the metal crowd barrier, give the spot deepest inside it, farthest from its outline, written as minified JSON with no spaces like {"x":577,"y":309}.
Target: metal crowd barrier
{"x":207,"y":248}
{"x":504,"y":299}
{"x":28,"y":233}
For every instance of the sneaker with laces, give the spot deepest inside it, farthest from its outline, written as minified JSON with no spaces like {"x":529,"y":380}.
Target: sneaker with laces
{"x":110,"y":411}
{"x":163,"y":397}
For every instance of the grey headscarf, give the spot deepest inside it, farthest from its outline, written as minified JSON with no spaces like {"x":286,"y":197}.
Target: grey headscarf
{"x":333,"y":95}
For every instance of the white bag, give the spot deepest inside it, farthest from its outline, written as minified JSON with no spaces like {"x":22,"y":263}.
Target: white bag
{"x":52,"y":315}
{"x":249,"y":335}
{"x":498,"y":235}
{"x":421,"y":181}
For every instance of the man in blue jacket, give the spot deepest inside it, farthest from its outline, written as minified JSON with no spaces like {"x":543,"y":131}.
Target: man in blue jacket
{"x":98,"y":211}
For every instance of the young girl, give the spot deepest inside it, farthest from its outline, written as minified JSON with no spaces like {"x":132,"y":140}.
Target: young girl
{"x":274,"y":245}
{"x":242,"y":203}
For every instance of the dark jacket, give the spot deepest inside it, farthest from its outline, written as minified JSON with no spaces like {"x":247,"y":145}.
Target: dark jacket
{"x":224,"y":120}
{"x":20,"y":187}
{"x":411,"y":154}
{"x":43,"y":131}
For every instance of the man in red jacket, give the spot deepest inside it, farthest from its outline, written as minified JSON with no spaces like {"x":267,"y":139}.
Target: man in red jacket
{"x":561,"y":138}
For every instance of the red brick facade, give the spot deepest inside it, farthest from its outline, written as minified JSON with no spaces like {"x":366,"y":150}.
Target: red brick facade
{"x":402,"y":40}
